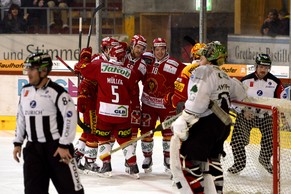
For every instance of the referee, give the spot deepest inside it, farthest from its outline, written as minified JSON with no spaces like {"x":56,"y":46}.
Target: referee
{"x":46,"y":118}
{"x":260,"y":83}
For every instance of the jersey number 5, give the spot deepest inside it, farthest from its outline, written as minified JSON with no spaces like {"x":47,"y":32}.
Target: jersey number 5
{"x":115,"y":94}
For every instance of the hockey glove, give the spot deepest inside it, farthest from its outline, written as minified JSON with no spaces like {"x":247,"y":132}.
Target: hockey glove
{"x":82,"y":103}
{"x":181,"y":126}
{"x":85,"y":55}
{"x":168,"y":100}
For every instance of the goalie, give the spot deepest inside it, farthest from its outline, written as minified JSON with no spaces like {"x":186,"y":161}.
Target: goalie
{"x":201,"y":131}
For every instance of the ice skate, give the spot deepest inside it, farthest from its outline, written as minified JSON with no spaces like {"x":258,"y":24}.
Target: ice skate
{"x":90,"y":167}
{"x":267,"y":165}
{"x":132,"y":170}
{"x":80,"y":165}
{"x":167,"y":165}
{"x":78,"y":156}
{"x":235,"y":169}
{"x":105,"y":171}
{"x":147,"y":164}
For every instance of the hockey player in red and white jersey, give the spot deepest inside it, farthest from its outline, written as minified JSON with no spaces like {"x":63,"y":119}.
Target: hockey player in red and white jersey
{"x":134,"y":61}
{"x":87,"y":145}
{"x":106,"y":44}
{"x":115,"y":84}
{"x":181,"y":83}
{"x":161,"y":75}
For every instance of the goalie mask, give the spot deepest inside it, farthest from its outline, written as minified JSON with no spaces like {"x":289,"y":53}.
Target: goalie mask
{"x":38,"y":60}
{"x":215,"y":53}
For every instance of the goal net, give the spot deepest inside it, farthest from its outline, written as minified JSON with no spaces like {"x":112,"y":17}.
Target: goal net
{"x":258,"y":150}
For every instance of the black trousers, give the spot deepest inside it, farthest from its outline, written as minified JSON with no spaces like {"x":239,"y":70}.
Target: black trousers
{"x":206,"y":139}
{"x":40,"y":166}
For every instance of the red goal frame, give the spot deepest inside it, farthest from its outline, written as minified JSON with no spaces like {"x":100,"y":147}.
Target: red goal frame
{"x":276,"y":141}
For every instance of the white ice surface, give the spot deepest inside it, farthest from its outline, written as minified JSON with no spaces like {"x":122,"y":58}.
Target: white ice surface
{"x":157,"y":182}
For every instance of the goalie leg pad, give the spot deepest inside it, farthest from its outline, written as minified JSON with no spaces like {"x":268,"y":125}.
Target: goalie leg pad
{"x":186,"y":175}
{"x":215,"y":169}
{"x":166,"y":151}
{"x":194,"y":176}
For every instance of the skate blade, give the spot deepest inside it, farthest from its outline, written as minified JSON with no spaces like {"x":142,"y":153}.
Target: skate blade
{"x":104,"y":175}
{"x":148,"y":170}
{"x":135,"y":176}
{"x":168,"y":171}
{"x":89,"y":172}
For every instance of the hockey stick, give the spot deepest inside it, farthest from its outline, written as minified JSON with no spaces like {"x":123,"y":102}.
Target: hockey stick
{"x":64,"y":63}
{"x":220,"y":113}
{"x":92,"y":22}
{"x":80,"y":123}
{"x":80,"y":35}
{"x":190,"y":40}
{"x":164,"y":125}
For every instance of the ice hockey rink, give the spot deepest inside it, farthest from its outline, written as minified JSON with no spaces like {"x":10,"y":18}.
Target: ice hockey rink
{"x":157,"y":182}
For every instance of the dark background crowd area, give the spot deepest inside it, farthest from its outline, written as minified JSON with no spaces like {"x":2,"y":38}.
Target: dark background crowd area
{"x":150,"y":18}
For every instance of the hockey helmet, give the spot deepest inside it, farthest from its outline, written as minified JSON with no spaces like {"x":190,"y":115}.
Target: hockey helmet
{"x":38,"y":59}
{"x":194,"y":51}
{"x":263,"y":59}
{"x":148,"y":57}
{"x":108,"y":42}
{"x":138,"y":40}
{"x":159,"y":42}
{"x":215,"y":52}
{"x":117,"y":53}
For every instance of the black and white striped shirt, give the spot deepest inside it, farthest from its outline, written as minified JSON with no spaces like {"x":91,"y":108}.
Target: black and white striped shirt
{"x":45,"y":114}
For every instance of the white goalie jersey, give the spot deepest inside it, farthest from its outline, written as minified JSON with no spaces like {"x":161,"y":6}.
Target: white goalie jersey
{"x":207,"y":83}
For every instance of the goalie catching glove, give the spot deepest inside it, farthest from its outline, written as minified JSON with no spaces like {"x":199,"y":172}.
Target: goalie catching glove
{"x":181,"y":126}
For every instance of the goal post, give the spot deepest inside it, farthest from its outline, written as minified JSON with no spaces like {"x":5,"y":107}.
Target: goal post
{"x":254,"y":176}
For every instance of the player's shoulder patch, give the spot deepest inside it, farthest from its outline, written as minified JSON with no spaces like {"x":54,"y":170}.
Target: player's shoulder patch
{"x":142,"y":68}
{"x":201,"y":72}
{"x":187,"y":71}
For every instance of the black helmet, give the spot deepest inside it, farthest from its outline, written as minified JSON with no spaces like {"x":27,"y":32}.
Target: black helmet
{"x":40,"y":60}
{"x":263,"y":59}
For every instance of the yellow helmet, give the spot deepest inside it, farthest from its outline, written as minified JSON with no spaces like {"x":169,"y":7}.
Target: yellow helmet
{"x":194,"y":51}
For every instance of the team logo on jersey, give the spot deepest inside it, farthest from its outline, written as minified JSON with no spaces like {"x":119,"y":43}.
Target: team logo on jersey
{"x":69,"y":114}
{"x":259,"y":92}
{"x":170,"y":69}
{"x":152,"y":85}
{"x":179,"y":86}
{"x":32,"y":104}
{"x":122,"y":111}
{"x":108,"y":68}
{"x":194,"y":89}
